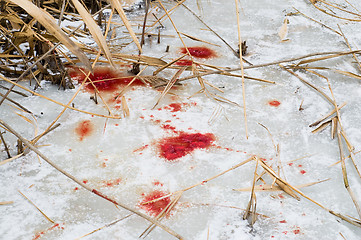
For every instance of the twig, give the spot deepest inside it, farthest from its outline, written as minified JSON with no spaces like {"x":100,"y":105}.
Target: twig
{"x":5,"y":145}
{"x":242,"y":68}
{"x":47,"y":218}
{"x":336,"y":54}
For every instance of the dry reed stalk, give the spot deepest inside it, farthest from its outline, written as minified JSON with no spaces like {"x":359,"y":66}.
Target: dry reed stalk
{"x":117,"y":5}
{"x":307,"y":83}
{"x":273,"y":188}
{"x":94,"y":30}
{"x":11,"y":159}
{"x":169,"y":85}
{"x":344,"y":174}
{"x":242,"y":68}
{"x":2,"y":140}
{"x":94,"y":191}
{"x":322,"y":126}
{"x":335,"y":54}
{"x":169,"y":64}
{"x":334,"y":15}
{"x":47,"y":218}
{"x":252,"y":202}
{"x":346,"y":40}
{"x":197,"y":39}
{"x":105,"y":226}
{"x":322,"y":24}
{"x":279,"y":181}
{"x":125,"y":107}
{"x":49,"y":23}
{"x":327,"y":115}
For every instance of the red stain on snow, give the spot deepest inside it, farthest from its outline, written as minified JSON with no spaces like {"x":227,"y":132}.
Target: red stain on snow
{"x":274,"y":103}
{"x":40,"y":234}
{"x":283,"y":221}
{"x":141,"y":148}
{"x":169,"y":127}
{"x":173,"y":148}
{"x":105,"y":79}
{"x":175,"y":107}
{"x":157,"y":183}
{"x":155,"y":208}
{"x":112,"y":183}
{"x":84,"y":129}
{"x":302,"y":171}
{"x":199,"y":52}
{"x":184,"y":62}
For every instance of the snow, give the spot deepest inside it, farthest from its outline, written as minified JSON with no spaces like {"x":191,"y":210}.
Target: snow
{"x":127,"y":149}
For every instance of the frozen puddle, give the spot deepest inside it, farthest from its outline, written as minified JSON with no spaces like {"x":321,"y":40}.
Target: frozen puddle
{"x":189,"y":142}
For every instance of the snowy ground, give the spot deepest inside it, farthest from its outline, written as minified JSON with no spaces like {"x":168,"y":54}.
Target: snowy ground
{"x":122,"y":157}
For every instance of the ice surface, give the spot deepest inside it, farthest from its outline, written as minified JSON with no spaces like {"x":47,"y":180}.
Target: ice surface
{"x":125,"y":151}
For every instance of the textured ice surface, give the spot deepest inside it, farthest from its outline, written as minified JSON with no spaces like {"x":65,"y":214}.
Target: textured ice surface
{"x":121,"y":158}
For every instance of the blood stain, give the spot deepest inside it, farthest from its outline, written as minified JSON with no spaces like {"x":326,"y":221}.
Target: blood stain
{"x":40,"y":234}
{"x":302,"y":171}
{"x":173,"y":148}
{"x":296,"y":231}
{"x":112,"y":183}
{"x":175,"y":107}
{"x":199,"y":52}
{"x":141,"y":148}
{"x":84,"y":129}
{"x":155,"y":208}
{"x":274,"y":103}
{"x":283,"y":221}
{"x":169,"y":127}
{"x":184,"y":62}
{"x":157,"y":183}
{"x":105,"y":79}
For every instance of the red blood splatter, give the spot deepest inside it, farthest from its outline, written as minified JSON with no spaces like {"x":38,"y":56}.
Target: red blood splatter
{"x":296,"y":231}
{"x":184,"y":62}
{"x":169,"y":127}
{"x":290,"y":164}
{"x":85,"y":181}
{"x":69,"y":149}
{"x":285,"y":232}
{"x":300,"y":165}
{"x":84,"y":129}
{"x":302,"y":171}
{"x":274,"y":103}
{"x":281,"y":196}
{"x":175,"y":107}
{"x":199,"y":52}
{"x":283,"y":221}
{"x":173,"y":148}
{"x":155,"y":208}
{"x":112,"y":183}
{"x":157,"y":183}
{"x":40,"y":234}
{"x":76,"y":188}
{"x":104,"y":78}
{"x":141,"y":148}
